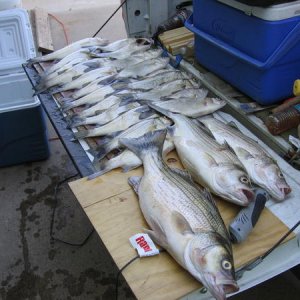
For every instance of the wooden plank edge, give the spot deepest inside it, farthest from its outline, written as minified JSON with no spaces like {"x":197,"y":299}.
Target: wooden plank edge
{"x":43,"y":31}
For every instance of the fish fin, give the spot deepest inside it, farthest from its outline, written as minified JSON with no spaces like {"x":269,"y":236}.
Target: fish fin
{"x":61,"y":72}
{"x":181,"y":224}
{"x":120,"y":85}
{"x":99,"y":112}
{"x":185,"y":174}
{"x":243,"y":153}
{"x":126,"y":101}
{"x":92,"y":65}
{"x":129,"y":168}
{"x":212,"y":162}
{"x":135,"y":181}
{"x":158,"y":234}
{"x":81,"y":134}
{"x":157,"y":237}
{"x":124,"y":96}
{"x":151,"y":141}
{"x":146,"y":114}
{"x":161,"y":110}
{"x":76,"y":77}
{"x":233,"y":125}
{"x":171,"y":130}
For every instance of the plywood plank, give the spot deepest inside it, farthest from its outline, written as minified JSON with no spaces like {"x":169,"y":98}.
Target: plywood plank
{"x":113,"y":209}
{"x":43,"y":32}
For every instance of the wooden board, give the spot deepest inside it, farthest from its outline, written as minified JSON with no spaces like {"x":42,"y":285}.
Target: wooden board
{"x":174,"y":40}
{"x":43,"y":32}
{"x":113,"y":209}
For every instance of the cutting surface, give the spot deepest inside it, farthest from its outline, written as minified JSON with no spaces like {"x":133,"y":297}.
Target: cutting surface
{"x":113,"y":209}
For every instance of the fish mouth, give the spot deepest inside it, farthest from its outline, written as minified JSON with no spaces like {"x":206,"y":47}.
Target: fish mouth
{"x":230,"y":288}
{"x":143,"y":41}
{"x":242,"y":196}
{"x":281,"y":193}
{"x":248,"y":194}
{"x":286,"y":190}
{"x":220,"y":287}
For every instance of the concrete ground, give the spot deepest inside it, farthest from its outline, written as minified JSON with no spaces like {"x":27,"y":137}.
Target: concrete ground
{"x":35,"y":266}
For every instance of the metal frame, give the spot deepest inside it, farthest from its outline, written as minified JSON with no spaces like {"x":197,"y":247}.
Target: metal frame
{"x":77,"y":154}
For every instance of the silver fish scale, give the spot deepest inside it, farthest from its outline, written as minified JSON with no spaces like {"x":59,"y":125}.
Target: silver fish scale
{"x":225,"y":154}
{"x":135,"y":131}
{"x":240,"y":140}
{"x":201,"y":214}
{"x":154,"y":82}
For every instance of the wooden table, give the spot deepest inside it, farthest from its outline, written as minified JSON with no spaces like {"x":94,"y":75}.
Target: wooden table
{"x":113,"y":209}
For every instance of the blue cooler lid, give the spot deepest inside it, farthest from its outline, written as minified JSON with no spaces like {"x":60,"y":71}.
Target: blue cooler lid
{"x":16,"y":40}
{"x":272,"y":13}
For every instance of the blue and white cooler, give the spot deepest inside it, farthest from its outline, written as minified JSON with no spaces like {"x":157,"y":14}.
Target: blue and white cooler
{"x":23,"y":133}
{"x":255,"y":49}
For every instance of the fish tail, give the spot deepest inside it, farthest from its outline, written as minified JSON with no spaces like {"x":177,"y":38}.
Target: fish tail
{"x":67,"y":105}
{"x":104,"y":167}
{"x":103,"y":150}
{"x":41,"y":87}
{"x":119,"y":86}
{"x":34,"y":60}
{"x":93,"y":152}
{"x":55,"y":90}
{"x":150,"y":142}
{"x":81,"y":134}
{"x":76,"y":121}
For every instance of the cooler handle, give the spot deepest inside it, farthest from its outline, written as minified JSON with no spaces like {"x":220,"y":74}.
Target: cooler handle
{"x":289,"y":41}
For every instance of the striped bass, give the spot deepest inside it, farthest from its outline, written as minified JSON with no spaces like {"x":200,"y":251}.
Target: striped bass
{"x":261,"y":167}
{"x":123,"y":52}
{"x":121,"y":123}
{"x":61,"y":53}
{"x":126,"y":160}
{"x":191,"y":107}
{"x":155,"y":81}
{"x":182,"y":218}
{"x":134,"y":131}
{"x":91,"y":98}
{"x":104,"y":75}
{"x":104,"y":117}
{"x":144,"y":68}
{"x":80,"y":54}
{"x":211,"y":165}
{"x":164,"y":90}
{"x":104,"y":104}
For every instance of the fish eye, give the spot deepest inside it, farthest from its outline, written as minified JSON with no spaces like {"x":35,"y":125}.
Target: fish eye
{"x":244,"y":179}
{"x":226,"y":265}
{"x":280,"y":175}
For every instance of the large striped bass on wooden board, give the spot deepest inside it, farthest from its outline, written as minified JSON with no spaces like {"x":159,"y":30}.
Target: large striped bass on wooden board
{"x":183,"y":219}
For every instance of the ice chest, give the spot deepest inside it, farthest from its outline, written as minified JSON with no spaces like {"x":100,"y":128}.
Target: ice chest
{"x":255,"y":49}
{"x":23,"y":134}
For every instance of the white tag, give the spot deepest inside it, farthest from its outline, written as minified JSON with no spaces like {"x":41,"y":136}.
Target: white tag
{"x":144,"y":245}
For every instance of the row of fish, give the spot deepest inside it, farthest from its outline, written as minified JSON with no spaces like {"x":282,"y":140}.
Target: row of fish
{"x":141,"y":108}
{"x":143,"y":81}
